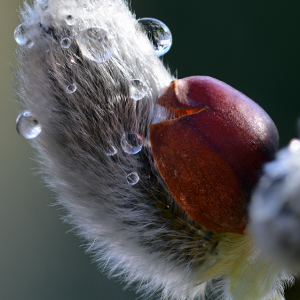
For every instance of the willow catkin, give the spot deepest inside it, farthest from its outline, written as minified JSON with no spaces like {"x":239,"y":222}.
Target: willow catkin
{"x":275,"y":209}
{"x":94,"y":151}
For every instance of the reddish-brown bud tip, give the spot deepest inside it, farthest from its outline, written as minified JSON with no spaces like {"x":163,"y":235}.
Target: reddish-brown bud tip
{"x":211,"y":154}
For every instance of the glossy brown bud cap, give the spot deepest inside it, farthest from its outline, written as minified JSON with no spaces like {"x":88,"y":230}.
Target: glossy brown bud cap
{"x":211,"y":154}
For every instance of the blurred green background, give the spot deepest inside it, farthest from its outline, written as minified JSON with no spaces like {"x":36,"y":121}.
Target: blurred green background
{"x":251,"y":45}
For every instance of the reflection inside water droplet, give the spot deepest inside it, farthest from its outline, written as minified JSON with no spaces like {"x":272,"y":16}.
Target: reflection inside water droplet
{"x":133,"y":178}
{"x":138,"y":89}
{"x":159,"y":34}
{"x":131,"y":142}
{"x":71,"y":88}
{"x":27,"y":126}
{"x":95,"y":44}
{"x":111,"y":150}
{"x":65,"y":43}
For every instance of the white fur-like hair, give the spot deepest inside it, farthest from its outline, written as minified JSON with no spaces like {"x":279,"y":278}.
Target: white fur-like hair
{"x":275,"y":208}
{"x":138,"y":232}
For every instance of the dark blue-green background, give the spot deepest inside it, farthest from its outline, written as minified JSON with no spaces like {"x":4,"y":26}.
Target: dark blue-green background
{"x":251,"y":45}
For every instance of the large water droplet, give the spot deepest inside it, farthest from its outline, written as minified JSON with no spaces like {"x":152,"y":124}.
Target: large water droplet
{"x":21,"y":35}
{"x":111,"y":150}
{"x":95,"y":43}
{"x":70,"y":20}
{"x":27,"y":126}
{"x":71,"y":88}
{"x":65,"y":43}
{"x":131,"y":142}
{"x":159,"y":34}
{"x":138,"y":89}
{"x":133,"y":178}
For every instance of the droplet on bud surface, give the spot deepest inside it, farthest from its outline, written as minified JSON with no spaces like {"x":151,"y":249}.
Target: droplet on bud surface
{"x":138,"y":89}
{"x":65,"y":43}
{"x":133,"y":178}
{"x":95,"y":44}
{"x":131,"y":142}
{"x":111,"y":150}
{"x":217,"y":142}
{"x":27,"y":126}
{"x":70,"y":20}
{"x":159,"y":34}
{"x":71,"y":88}
{"x":21,"y":36}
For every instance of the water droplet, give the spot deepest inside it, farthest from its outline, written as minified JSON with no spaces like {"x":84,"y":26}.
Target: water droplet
{"x":133,"y":178}
{"x":111,"y":150}
{"x":29,"y":44}
{"x":21,"y":35}
{"x":71,"y":88}
{"x":65,"y":43}
{"x":138,"y":89}
{"x":70,"y":20}
{"x":95,"y":43}
{"x":131,"y":142}
{"x":159,"y":34}
{"x":27,"y":126}
{"x":72,"y":60}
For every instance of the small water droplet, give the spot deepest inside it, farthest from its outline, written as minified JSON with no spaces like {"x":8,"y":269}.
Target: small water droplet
{"x":138,"y":89}
{"x":27,"y":126}
{"x":65,"y":43}
{"x":21,"y":35}
{"x":111,"y":150}
{"x":29,"y":44}
{"x":70,"y":20}
{"x":133,"y":178}
{"x":167,"y":206}
{"x":159,"y":34}
{"x":72,"y":60}
{"x":95,"y":44}
{"x":71,"y":88}
{"x":131,"y":142}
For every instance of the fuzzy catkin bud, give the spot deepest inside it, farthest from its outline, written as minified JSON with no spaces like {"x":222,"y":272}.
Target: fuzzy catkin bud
{"x":95,"y":153}
{"x":85,"y":109}
{"x":275,"y":209}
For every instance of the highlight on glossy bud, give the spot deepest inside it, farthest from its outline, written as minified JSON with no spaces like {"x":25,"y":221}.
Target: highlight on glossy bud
{"x":27,"y":126}
{"x":211,"y":154}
